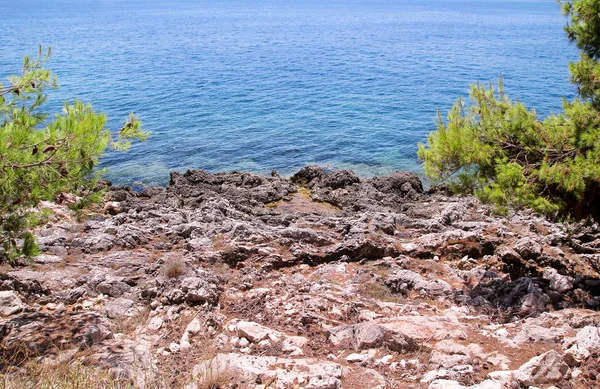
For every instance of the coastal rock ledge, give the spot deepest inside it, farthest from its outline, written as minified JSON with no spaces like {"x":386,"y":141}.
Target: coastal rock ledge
{"x":321,"y":280}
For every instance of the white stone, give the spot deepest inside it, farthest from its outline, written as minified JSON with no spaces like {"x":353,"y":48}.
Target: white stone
{"x":575,"y":355}
{"x":118,"y":308}
{"x":10,"y":303}
{"x":155,"y":323}
{"x":174,"y":347}
{"x":243,"y":342}
{"x":434,"y":375}
{"x":589,"y":338}
{"x":386,"y":360}
{"x":503,"y":377}
{"x":445,"y":384}
{"x":543,"y":369}
{"x":254,"y":332}
{"x":264,"y":343}
{"x":358,"y":358}
{"x":194,"y":327}
{"x":87,"y":304}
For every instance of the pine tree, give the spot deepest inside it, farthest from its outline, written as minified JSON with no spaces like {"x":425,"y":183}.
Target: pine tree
{"x":500,"y":150}
{"x":42,"y":156}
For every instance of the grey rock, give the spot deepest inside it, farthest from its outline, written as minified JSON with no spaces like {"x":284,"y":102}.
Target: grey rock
{"x":307,"y":174}
{"x":198,"y":290}
{"x":113,"y":287}
{"x":528,"y":248}
{"x":118,"y":308}
{"x":339,"y":179}
{"x":368,"y":335}
{"x":404,"y":280}
{"x":342,"y":336}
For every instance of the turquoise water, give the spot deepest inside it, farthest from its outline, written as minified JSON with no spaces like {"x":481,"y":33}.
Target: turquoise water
{"x":259,"y":85}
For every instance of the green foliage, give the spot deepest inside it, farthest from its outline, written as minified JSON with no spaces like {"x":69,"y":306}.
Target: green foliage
{"x":499,"y":149}
{"x":42,"y":156}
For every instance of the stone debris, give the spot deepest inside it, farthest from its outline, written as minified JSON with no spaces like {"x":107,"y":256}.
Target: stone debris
{"x":322,"y":280}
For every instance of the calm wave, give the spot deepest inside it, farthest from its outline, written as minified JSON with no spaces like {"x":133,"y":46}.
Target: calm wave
{"x":260,"y":85}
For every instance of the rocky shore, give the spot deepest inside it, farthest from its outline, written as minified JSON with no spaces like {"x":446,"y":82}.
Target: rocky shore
{"x":322,"y":280}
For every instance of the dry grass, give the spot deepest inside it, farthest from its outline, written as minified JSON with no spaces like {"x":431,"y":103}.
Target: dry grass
{"x":60,"y":376}
{"x":218,"y":242}
{"x":174,"y":268}
{"x":214,"y":375}
{"x":129,"y":325}
{"x":380,"y":292}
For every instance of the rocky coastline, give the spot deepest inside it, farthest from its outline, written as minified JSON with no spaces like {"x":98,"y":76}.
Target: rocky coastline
{"x":321,"y":280}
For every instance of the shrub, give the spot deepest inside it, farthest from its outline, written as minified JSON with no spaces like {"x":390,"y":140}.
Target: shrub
{"x":174,"y":268}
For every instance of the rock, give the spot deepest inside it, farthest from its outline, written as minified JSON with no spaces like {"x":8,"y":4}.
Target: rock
{"x":548,"y":368}
{"x":361,"y":359}
{"x":118,"y":308}
{"x":155,"y":323}
{"x":558,"y":282}
{"x":248,"y":370}
{"x":255,"y":333}
{"x":589,"y":338}
{"x":307,"y":174}
{"x":368,"y":336}
{"x":10,"y":303}
{"x":342,"y":336}
{"x":533,"y":333}
{"x":448,"y":353}
{"x":294,"y":345}
{"x":113,"y":287}
{"x":371,"y":335}
{"x":339,"y":179}
{"x":401,"y":183}
{"x":174,"y":347}
{"x":47,"y":259}
{"x":445,"y":384}
{"x":528,"y":248}
{"x":96,"y":243}
{"x":112,"y":208}
{"x":404,"y":280}
{"x":576,"y":355}
{"x":199,"y":290}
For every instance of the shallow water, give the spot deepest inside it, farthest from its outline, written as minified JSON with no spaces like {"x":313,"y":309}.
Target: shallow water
{"x":260,"y":85}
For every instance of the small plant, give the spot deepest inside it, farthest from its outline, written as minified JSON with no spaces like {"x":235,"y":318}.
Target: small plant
{"x":174,"y":268}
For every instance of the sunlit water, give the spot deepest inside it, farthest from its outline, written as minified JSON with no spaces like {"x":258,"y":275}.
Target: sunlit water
{"x":260,"y":85}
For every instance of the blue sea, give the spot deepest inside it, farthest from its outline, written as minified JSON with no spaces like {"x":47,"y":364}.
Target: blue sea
{"x":258,"y":85}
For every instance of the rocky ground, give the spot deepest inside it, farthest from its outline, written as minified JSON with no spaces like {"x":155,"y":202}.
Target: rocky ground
{"x":322,"y":280}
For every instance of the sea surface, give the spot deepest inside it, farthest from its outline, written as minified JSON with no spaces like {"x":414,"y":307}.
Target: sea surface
{"x":258,"y":85}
